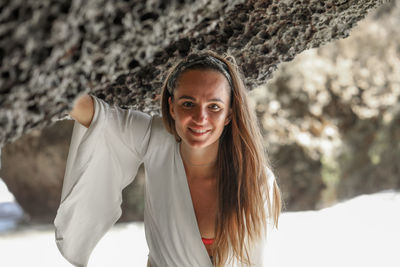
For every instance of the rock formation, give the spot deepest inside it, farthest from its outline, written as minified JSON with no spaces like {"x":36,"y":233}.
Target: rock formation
{"x":33,"y":168}
{"x":52,"y":51}
{"x":334,"y":112}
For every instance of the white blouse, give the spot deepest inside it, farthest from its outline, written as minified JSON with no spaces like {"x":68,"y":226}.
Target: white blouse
{"x":103,"y":159}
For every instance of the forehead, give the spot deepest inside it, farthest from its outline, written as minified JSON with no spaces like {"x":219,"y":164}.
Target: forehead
{"x":201,"y":83}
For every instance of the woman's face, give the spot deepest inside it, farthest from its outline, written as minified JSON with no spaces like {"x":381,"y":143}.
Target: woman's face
{"x":201,"y":107}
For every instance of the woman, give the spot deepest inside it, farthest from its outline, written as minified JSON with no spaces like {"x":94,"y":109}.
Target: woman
{"x":209,"y":189}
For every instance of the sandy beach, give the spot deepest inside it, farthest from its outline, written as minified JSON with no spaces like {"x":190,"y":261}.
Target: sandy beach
{"x":363,"y":231}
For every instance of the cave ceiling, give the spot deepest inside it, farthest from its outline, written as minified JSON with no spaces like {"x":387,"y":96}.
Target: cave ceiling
{"x":53,"y":51}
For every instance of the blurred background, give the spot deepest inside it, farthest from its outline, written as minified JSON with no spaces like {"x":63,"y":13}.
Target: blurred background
{"x":331,"y":125}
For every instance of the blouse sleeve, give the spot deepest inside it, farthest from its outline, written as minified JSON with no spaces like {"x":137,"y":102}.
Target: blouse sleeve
{"x":102,"y":160}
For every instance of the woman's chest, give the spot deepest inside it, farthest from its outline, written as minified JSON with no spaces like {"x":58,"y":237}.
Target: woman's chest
{"x":205,"y":204}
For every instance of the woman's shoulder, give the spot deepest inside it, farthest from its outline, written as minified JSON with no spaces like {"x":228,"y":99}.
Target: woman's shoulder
{"x":141,"y":129}
{"x":159,"y":135}
{"x":157,"y":125}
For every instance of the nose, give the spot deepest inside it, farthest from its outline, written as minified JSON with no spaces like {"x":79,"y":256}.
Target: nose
{"x":200,"y":115}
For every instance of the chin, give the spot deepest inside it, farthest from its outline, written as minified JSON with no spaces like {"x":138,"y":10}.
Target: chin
{"x":199,"y":144}
{"x":196,"y":144}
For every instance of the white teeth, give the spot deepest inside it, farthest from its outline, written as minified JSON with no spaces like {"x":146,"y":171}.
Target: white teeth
{"x":198,"y":131}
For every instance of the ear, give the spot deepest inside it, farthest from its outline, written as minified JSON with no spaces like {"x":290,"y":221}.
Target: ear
{"x":171,"y":108}
{"x":228,"y":117}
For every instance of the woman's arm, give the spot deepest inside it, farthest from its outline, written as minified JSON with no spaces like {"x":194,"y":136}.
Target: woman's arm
{"x":83,"y":110}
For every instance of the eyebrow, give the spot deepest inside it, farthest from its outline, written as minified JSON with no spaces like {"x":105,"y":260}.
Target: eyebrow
{"x":209,"y":100}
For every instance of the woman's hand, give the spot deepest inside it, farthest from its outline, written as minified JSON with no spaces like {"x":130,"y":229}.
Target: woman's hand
{"x":83,"y":110}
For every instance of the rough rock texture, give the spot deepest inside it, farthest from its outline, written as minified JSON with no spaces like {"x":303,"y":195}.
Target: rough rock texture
{"x":339,"y":105}
{"x":301,"y":188}
{"x":50,"y":52}
{"x":33,"y":167}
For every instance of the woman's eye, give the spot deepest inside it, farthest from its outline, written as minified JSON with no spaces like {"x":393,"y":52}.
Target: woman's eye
{"x":187,"y":104}
{"x":214,"y":107}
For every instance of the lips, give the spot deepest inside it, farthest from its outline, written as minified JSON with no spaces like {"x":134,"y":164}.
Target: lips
{"x":198,"y":132}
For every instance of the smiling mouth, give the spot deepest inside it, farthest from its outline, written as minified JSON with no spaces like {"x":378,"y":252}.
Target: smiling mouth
{"x":198,"y":132}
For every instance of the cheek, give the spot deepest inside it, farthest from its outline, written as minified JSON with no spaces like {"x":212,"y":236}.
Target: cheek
{"x":182,"y":115}
{"x":219,"y":116}
{"x":218,"y":120}
{"x":182,"y":119}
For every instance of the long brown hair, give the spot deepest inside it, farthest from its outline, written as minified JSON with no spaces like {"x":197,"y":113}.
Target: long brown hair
{"x":243,"y":190}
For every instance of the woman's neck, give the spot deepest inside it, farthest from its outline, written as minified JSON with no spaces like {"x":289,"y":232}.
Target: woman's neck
{"x":200,"y":163}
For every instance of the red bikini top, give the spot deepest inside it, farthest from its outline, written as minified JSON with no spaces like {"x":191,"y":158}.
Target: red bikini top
{"x":207,"y":241}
